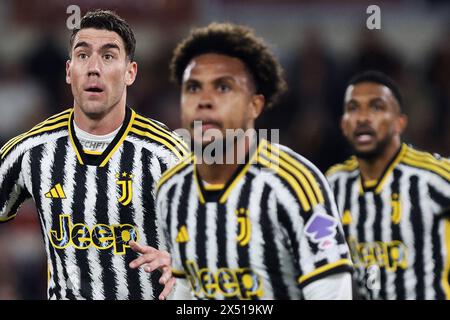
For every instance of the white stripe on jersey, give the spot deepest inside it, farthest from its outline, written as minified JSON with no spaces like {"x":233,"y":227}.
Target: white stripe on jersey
{"x":48,"y":158}
{"x":257,"y":245}
{"x":69,"y":186}
{"x":118,"y":261}
{"x":90,"y":220}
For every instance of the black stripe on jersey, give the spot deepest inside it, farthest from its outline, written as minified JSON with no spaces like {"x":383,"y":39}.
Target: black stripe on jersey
{"x":182,"y":216}
{"x":57,"y":174}
{"x":286,"y":224}
{"x":438,"y":259}
{"x":441,"y":200}
{"x":243,"y":202}
{"x":271,"y":259}
{"x":126,"y":216}
{"x":149,"y":214}
{"x":169,"y":235}
{"x":347,"y":205}
{"x":418,"y":229}
{"x":221,"y":236}
{"x":36,"y":155}
{"x":78,"y":206}
{"x":11,"y":176}
{"x":377,"y":235}
{"x":108,"y":281}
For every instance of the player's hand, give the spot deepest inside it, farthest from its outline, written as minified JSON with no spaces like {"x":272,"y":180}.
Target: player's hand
{"x":154,"y":259}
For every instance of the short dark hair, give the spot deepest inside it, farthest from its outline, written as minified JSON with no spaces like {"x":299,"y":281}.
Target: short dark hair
{"x":238,"y":42}
{"x":379,"y":78}
{"x":111,"y":21}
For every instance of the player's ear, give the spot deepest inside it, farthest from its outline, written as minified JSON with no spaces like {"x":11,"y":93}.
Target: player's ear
{"x":257,"y":105}
{"x":131,"y":73}
{"x":68,"y":81}
{"x":401,"y":123}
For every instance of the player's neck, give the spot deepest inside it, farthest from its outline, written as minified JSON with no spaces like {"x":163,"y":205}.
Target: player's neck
{"x":101,"y":124}
{"x":372,"y":169}
{"x":221,"y":173}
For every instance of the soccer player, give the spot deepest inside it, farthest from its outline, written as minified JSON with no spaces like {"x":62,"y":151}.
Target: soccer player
{"x":394,"y":200}
{"x":267,"y":228}
{"x":92,"y":172}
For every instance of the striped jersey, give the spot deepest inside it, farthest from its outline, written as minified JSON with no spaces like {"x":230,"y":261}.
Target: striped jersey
{"x":91,"y":205}
{"x":398,"y":227}
{"x":272,"y":229}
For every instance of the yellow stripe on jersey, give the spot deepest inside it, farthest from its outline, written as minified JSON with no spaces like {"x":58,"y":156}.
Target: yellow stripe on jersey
{"x":290,"y":180}
{"x":159,"y":128}
{"x":53,"y":119}
{"x":296,"y":173}
{"x":244,"y":170}
{"x":178,"y":273}
{"x":300,"y":167}
{"x":119,"y":143}
{"x":169,"y":173}
{"x":446,"y":273}
{"x":444,"y":162}
{"x":155,"y":128}
{"x":158,"y":139}
{"x":327,"y":267}
{"x":349,"y":165}
{"x":95,"y":153}
{"x":428,"y":158}
{"x":391,"y":167}
{"x":213,"y":187}
{"x":44,"y":129}
{"x":4,"y":219}
{"x":428,"y":166}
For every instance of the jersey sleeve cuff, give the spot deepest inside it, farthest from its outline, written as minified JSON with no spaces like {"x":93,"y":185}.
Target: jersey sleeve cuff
{"x":343,"y":265}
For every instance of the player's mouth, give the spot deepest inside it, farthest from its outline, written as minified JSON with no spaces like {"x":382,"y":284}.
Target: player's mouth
{"x":206,"y":124}
{"x":364,"y":135}
{"x":94,"y":89}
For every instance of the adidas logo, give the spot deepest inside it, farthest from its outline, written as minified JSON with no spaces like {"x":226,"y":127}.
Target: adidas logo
{"x":182,"y":235}
{"x":56,"y":192}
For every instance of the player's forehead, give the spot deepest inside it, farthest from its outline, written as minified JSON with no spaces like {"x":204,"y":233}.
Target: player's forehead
{"x":366,"y":91}
{"x":212,"y":66}
{"x":96,"y":38}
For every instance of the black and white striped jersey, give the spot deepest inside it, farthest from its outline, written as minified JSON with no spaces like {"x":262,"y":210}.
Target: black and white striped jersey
{"x":272,"y":229}
{"x":91,"y":205}
{"x":398,"y":227}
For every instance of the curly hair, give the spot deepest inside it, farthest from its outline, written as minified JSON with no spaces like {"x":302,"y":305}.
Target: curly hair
{"x":238,"y":42}
{"x":111,"y":21}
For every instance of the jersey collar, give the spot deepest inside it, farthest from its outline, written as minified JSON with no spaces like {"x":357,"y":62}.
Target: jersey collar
{"x":102,"y":159}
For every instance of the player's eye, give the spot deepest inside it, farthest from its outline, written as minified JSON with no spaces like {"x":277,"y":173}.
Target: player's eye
{"x":223,"y":88}
{"x":108,"y":56}
{"x":351,"y":107}
{"x":82,"y":56}
{"x":192,"y":88}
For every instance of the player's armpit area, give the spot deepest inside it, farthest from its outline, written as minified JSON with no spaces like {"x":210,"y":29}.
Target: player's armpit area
{"x":343,"y":265}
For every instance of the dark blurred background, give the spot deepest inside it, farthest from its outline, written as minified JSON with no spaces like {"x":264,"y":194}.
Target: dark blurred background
{"x":320,"y":43}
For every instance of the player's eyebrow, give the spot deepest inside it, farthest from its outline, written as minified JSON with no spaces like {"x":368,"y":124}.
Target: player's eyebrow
{"x":110,"y":46}
{"x":83,"y":44}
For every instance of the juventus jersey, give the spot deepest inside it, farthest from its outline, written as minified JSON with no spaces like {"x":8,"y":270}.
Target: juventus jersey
{"x":91,"y":205}
{"x":272,"y":229}
{"x":398,"y":228}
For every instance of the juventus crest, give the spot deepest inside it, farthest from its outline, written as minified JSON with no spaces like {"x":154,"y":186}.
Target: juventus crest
{"x":125,"y":181}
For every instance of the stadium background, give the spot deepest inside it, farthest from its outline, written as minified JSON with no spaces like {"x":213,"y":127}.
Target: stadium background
{"x":319,"y":42}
